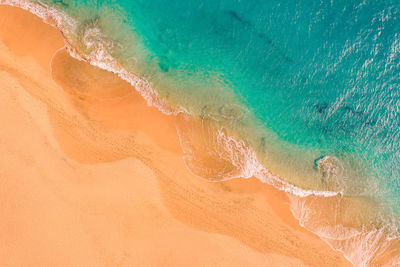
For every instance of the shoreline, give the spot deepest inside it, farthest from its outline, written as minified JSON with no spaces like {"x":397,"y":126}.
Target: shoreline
{"x":56,"y":19}
{"x":104,"y":138}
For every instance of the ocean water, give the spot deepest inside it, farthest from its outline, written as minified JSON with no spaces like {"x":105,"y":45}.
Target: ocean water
{"x":303,"y":95}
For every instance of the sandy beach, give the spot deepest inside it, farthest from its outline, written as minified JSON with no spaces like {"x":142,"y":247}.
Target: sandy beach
{"x":92,"y":176}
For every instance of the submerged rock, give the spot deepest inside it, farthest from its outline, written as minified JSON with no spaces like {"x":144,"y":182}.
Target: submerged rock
{"x":321,"y":108}
{"x":331,"y":172}
{"x":328,"y":165}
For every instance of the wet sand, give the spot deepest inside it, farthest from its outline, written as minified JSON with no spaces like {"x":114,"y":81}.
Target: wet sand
{"x":92,"y":176}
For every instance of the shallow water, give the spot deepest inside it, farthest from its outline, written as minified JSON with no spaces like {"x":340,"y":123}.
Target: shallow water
{"x":312,"y":88}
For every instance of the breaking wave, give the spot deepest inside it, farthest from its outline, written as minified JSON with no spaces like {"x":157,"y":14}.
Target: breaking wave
{"x":212,"y":152}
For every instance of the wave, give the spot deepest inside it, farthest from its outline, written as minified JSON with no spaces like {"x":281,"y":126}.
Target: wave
{"x":99,"y":54}
{"x":211,"y":152}
{"x":377,"y":244}
{"x":217,"y":146}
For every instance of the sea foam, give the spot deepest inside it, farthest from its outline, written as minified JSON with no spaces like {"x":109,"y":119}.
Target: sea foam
{"x":358,"y":245}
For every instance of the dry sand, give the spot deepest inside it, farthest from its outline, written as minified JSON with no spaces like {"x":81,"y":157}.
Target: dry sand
{"x":92,"y":176}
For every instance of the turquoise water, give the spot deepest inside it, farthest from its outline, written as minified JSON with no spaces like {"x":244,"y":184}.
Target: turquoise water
{"x":297,"y":81}
{"x":323,"y":77}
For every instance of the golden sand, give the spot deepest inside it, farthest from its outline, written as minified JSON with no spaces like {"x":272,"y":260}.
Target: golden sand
{"x":92,"y":176}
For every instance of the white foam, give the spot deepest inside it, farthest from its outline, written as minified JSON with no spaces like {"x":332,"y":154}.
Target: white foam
{"x":360,"y":246}
{"x":99,"y":55}
{"x":245,"y":162}
{"x":48,"y":14}
{"x":357,"y":246}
